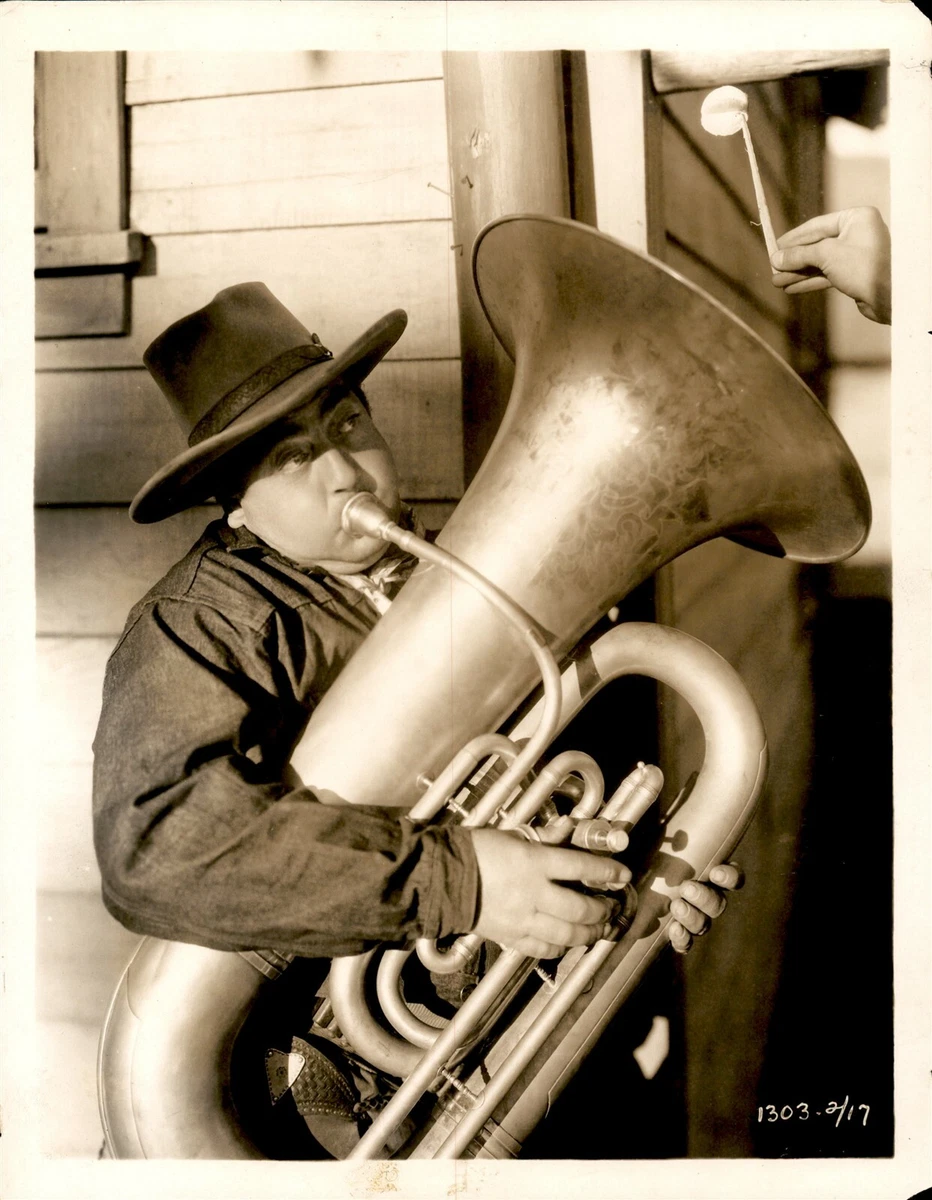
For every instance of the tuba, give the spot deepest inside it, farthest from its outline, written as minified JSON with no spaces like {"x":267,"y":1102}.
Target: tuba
{"x":644,"y":419}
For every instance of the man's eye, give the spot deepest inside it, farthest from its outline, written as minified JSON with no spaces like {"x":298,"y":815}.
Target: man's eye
{"x":292,"y":458}
{"x":348,"y":424}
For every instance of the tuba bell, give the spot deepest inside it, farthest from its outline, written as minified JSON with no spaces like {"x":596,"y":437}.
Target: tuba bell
{"x":644,"y":420}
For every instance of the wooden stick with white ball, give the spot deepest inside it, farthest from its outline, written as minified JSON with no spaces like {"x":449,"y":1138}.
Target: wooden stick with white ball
{"x":723,"y":113}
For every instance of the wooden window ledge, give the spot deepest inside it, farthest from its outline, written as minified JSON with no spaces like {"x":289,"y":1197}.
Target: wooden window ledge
{"x":89,"y":251}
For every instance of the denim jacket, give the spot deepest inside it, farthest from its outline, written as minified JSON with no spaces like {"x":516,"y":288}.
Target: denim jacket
{"x":199,"y":835}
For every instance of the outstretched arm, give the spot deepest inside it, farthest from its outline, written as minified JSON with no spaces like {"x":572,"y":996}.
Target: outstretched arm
{"x":847,"y":250}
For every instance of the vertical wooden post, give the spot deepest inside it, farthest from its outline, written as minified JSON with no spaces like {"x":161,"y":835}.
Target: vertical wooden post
{"x":507,"y":139}
{"x":627,"y":129}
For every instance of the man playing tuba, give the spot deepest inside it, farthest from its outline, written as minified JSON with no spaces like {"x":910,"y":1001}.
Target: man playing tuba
{"x":203,"y":832}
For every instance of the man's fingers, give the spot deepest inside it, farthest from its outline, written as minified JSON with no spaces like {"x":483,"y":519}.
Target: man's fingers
{"x":818,"y":283}
{"x":680,"y":938}
{"x":814,"y":230}
{"x":727,"y":875}
{"x":579,"y":866}
{"x":563,"y":934}
{"x":532,"y":947}
{"x":707,"y":899}
{"x":692,"y":918}
{"x":577,"y":907}
{"x":783,"y":279}
{"x":551,"y":937}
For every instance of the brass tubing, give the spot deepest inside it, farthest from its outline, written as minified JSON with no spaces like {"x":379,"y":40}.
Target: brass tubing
{"x":382,"y":1049}
{"x":634,"y":795}
{"x":388,"y":989}
{"x":558,"y":1004}
{"x":364,"y":514}
{"x":485,"y":746}
{"x":445,"y":962}
{"x":388,"y":979}
{"x":468,"y":1019}
{"x":163,"y":1066}
{"x":568,"y":763}
{"x":713,"y":819}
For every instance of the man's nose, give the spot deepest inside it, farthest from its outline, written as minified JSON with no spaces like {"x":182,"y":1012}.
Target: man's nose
{"x":340,"y":470}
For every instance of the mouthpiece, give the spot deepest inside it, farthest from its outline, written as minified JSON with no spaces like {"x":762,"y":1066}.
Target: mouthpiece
{"x":364,"y":516}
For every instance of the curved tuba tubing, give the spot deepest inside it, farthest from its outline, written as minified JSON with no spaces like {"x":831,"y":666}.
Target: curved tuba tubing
{"x":524,"y":1072}
{"x":644,"y":420}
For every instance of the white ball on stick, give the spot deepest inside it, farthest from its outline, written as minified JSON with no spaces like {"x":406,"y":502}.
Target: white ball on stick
{"x":724,"y":112}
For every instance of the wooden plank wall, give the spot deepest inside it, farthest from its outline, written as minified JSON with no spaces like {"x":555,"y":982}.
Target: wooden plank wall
{"x":324,"y":175}
{"x":744,"y":604}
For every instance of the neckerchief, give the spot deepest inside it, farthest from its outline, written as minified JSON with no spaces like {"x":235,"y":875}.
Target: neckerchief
{"x":395,"y":564}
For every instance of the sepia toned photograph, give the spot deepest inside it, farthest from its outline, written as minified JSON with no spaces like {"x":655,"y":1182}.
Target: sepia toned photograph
{"x":466,"y":520}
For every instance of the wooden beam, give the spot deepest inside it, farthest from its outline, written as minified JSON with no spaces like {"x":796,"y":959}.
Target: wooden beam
{"x":507,"y":139}
{"x":681,"y":71}
{"x":88,"y":250}
{"x":152,"y":77}
{"x":807,"y":328}
{"x":626,"y":130}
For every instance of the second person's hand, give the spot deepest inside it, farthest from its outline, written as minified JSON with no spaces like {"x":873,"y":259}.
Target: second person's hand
{"x":848,"y":250}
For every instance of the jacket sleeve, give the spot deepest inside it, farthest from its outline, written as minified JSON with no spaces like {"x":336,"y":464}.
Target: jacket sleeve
{"x":198,"y":836}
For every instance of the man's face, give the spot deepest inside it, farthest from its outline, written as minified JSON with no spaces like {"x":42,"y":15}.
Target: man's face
{"x":295,"y":494}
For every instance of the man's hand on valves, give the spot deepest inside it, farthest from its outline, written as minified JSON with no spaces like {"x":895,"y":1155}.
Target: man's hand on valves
{"x":525,"y":906}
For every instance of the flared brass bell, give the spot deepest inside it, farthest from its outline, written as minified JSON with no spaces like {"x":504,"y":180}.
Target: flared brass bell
{"x":644,"y":419}
{"x":692,"y":406}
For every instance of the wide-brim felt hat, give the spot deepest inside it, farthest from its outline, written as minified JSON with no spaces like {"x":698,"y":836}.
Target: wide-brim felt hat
{"x":231,"y":369}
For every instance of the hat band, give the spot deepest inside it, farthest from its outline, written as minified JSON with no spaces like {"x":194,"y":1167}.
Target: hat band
{"x":259,"y":384}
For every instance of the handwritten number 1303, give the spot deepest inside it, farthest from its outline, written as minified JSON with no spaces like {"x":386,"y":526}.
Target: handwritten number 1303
{"x":801,"y":1111}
